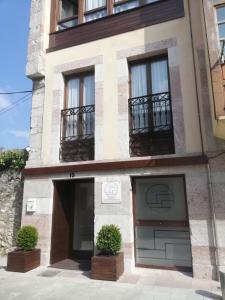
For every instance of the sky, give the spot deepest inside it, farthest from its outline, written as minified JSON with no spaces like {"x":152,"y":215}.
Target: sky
{"x":14,"y":29}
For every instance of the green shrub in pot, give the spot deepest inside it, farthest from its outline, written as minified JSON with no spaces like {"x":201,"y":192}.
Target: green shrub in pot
{"x":27,"y":238}
{"x":109,"y":240}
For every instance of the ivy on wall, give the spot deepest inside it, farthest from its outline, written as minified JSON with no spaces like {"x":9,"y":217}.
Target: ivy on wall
{"x":14,"y":159}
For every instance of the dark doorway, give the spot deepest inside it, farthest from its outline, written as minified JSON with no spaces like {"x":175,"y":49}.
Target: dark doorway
{"x":72,"y":220}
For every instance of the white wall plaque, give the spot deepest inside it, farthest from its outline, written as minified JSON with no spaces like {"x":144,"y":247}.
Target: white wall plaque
{"x":31,"y":205}
{"x":111,"y":192}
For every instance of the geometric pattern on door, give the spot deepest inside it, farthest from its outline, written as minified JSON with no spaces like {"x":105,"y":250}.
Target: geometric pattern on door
{"x":165,"y":247}
{"x":162,"y":236}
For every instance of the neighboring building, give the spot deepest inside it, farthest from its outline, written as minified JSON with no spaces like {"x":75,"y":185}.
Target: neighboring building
{"x":128,"y":127}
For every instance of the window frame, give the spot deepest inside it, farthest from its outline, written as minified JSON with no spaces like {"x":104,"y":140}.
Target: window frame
{"x":94,"y":9}
{"x":60,"y":7}
{"x":148,"y":61}
{"x":121,"y":2}
{"x":218,"y":4}
{"x":109,"y":7}
{"x":60,"y":21}
{"x":80,"y":76}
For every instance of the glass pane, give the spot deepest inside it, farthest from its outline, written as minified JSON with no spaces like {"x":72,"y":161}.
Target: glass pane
{"x":89,"y":90}
{"x":160,"y":198}
{"x":220,"y":11}
{"x":73,"y":91}
{"x":159,"y":75}
{"x":161,"y":112}
{"x":83,"y":216}
{"x":222,"y":31}
{"x":150,"y":1}
{"x":161,"y":102}
{"x":222,"y":45}
{"x":89,"y":99}
{"x":96,"y":15}
{"x":69,"y":8}
{"x":68,"y":24}
{"x":139,"y":89}
{"x":125,"y":6}
{"x":93,"y":4}
{"x":131,"y":4}
{"x":139,"y":80}
{"x":71,"y":131}
{"x":167,"y":247}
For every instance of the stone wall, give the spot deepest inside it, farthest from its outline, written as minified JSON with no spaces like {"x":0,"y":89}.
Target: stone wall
{"x":198,"y":204}
{"x":35,"y":58}
{"x":11,"y":198}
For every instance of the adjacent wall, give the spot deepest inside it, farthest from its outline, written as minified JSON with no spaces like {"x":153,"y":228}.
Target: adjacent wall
{"x":11,"y":198}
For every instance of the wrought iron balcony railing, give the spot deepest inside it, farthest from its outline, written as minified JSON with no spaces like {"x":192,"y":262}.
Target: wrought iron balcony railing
{"x":151,"y":125}
{"x":77,"y":133}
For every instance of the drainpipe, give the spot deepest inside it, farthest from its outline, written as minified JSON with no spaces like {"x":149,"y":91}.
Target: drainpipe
{"x":211,"y":196}
{"x":212,"y":206}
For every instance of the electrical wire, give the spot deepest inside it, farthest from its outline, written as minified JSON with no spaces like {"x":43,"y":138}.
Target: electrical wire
{"x":12,"y":107}
{"x":219,"y":154}
{"x":14,"y":93}
{"x":14,"y":104}
{"x":21,"y":92}
{"x":18,"y":101}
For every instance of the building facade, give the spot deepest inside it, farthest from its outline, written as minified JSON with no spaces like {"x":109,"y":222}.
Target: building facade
{"x":128,"y":128}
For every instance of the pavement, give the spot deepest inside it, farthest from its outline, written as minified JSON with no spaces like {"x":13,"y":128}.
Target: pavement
{"x":46,"y":283}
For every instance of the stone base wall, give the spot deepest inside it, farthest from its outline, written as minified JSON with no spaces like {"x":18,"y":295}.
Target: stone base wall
{"x":11,"y":198}
{"x":199,"y":206}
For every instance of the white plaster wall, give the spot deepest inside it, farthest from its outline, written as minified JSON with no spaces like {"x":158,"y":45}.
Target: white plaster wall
{"x":113,"y":124}
{"x":42,"y":191}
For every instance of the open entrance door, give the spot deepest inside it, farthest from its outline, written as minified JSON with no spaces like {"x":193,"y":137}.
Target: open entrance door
{"x":73,"y":220}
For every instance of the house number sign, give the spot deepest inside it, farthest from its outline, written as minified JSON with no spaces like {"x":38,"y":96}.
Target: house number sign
{"x":31,"y":205}
{"x":111,"y":192}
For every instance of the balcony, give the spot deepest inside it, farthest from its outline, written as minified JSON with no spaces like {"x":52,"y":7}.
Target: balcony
{"x":77,"y":133}
{"x":80,"y":29}
{"x":151,"y":125}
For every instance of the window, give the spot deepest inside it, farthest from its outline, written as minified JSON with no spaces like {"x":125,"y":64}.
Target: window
{"x":95,"y":9}
{"x":121,"y":5}
{"x":78,"y":118}
{"x":74,"y":12}
{"x":79,"y":112}
{"x":80,"y":90}
{"x":150,"y":94}
{"x":220,"y":13}
{"x":68,"y":14}
{"x":150,"y":112}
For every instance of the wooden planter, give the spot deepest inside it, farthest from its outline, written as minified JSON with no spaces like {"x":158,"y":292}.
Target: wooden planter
{"x":222,"y":282}
{"x":107,"y":267}
{"x":23,"y":261}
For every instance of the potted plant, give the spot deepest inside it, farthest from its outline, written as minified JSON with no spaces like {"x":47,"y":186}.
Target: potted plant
{"x":26,"y":257}
{"x":109,"y":263}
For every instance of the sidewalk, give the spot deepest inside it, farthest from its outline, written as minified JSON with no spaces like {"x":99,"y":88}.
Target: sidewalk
{"x":50,"y":283}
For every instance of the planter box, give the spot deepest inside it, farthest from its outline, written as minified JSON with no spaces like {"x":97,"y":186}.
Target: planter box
{"x":23,"y":261}
{"x":107,"y":267}
{"x":222,"y":282}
